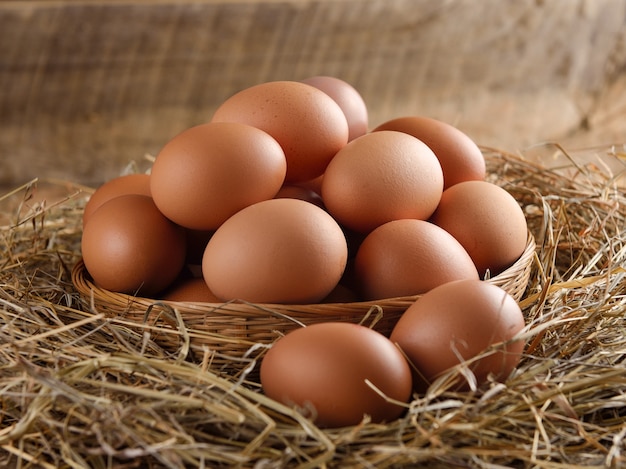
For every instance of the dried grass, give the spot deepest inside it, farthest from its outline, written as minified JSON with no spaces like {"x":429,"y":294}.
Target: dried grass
{"x":79,"y":390}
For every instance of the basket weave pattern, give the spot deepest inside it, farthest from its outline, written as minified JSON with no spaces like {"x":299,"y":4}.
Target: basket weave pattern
{"x":232,"y":328}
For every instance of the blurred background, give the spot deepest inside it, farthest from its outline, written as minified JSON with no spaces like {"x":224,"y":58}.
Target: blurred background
{"x":86,"y":87}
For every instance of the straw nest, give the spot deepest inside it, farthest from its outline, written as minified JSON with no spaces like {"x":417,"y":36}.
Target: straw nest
{"x":80,"y":389}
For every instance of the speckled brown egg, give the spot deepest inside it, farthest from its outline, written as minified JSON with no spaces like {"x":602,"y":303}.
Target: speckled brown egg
{"x":309,"y":125}
{"x":129,"y":246}
{"x":122,"y":185}
{"x":324,"y":370}
{"x":487,"y":221}
{"x":466,"y":321}
{"x":208,"y":172}
{"x":276,"y":251}
{"x":461,"y":159}
{"x":379,"y":177}
{"x":349,"y":99}
{"x":410,"y":257}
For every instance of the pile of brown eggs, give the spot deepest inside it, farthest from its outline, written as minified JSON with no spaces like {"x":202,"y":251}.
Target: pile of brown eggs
{"x":390,"y":212}
{"x":286,"y":196}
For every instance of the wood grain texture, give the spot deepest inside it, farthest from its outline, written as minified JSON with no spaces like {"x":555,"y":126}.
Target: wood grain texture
{"x":86,"y":87}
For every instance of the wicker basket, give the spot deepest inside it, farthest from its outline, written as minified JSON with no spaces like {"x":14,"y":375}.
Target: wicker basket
{"x":234,"y":332}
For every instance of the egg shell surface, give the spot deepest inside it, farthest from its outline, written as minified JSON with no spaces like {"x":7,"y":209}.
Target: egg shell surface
{"x":210,"y":171}
{"x":323,"y":368}
{"x":459,"y":321}
{"x":487,"y":221}
{"x":122,"y":185}
{"x":461,"y":159}
{"x":129,"y":246}
{"x":276,"y":251}
{"x":410,"y":257}
{"x":307,"y":123}
{"x":192,"y":289}
{"x":291,"y":191}
{"x":380,"y":177}
{"x":349,"y":99}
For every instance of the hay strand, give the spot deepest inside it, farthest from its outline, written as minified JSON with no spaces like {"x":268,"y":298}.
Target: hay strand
{"x":79,"y":389}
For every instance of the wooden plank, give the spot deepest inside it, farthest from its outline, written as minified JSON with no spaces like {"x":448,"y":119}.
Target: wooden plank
{"x":86,"y":87}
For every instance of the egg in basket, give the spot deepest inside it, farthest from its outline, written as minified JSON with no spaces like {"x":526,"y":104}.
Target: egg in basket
{"x":284,"y":210}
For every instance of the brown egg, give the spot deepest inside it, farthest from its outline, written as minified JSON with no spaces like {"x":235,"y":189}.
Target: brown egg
{"x":379,"y":177}
{"x":487,"y":221}
{"x":276,"y":251}
{"x":323,"y":369}
{"x":309,"y":125}
{"x":300,"y":192}
{"x":210,"y":171}
{"x":460,"y":158}
{"x":349,"y":99}
{"x":469,"y":321}
{"x":122,"y":185}
{"x":190,"y":289}
{"x":410,"y":257}
{"x":314,"y":184}
{"x":129,"y":246}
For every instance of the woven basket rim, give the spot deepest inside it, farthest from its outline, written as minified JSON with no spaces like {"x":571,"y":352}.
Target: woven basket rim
{"x":517,"y":275}
{"x":233,"y":329}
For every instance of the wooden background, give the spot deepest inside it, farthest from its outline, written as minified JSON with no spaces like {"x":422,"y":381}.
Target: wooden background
{"x":88,"y":86}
